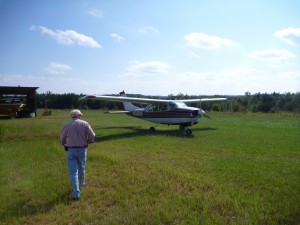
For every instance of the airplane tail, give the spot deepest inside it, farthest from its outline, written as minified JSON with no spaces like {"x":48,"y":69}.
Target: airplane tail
{"x":128,"y":106}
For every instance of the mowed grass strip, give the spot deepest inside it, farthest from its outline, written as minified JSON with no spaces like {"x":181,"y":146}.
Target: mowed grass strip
{"x":234,"y":169}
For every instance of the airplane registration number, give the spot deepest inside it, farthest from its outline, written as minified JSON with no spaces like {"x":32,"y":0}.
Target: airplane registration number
{"x":137,"y":113}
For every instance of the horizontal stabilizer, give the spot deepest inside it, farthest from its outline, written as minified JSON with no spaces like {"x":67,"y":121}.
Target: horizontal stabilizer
{"x":117,"y":112}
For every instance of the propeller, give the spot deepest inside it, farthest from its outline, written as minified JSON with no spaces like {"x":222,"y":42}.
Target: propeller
{"x":207,"y":116}
{"x":202,"y":113}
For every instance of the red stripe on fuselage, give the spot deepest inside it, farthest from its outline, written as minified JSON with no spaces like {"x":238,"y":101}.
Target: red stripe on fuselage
{"x":177,"y":113}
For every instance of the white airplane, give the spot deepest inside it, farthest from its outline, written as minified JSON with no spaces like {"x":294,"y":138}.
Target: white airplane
{"x":159,"y":111}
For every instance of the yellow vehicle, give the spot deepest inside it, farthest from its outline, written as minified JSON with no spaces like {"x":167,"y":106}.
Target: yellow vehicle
{"x":12,"y":108}
{"x":18,"y":101}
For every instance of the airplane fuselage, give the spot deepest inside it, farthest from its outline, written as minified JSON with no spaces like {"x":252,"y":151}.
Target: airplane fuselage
{"x":186,"y":116}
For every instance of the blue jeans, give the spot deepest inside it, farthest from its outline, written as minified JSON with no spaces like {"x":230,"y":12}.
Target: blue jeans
{"x":76,"y":159}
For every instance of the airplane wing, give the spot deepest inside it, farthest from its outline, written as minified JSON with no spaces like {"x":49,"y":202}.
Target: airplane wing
{"x":203,"y":100}
{"x":123,"y":99}
{"x":144,"y":100}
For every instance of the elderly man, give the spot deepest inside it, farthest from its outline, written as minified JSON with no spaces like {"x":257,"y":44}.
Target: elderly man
{"x":75,"y":136}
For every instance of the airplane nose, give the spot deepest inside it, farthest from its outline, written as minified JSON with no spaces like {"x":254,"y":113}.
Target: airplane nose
{"x":201,"y":112}
{"x":196,"y":112}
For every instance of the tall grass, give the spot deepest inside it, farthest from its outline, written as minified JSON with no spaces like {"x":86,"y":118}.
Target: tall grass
{"x":235,"y":169}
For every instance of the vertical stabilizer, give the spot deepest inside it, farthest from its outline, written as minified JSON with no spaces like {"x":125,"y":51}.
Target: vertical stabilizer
{"x":127,"y":105}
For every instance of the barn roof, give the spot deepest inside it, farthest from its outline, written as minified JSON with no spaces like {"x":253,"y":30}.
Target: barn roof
{"x":17,"y":90}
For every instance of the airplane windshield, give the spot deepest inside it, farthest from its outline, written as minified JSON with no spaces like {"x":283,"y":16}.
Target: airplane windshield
{"x":180,"y":104}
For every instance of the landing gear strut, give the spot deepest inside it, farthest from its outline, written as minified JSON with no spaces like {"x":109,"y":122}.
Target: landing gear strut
{"x":188,"y":131}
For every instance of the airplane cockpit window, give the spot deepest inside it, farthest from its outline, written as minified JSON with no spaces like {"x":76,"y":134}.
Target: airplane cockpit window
{"x":172,"y":105}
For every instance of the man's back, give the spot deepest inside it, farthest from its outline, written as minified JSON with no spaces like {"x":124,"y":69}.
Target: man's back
{"x":77,"y":133}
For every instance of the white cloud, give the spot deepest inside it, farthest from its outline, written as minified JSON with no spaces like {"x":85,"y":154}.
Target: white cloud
{"x":33,"y":27}
{"x":290,"y":36}
{"x":290,"y":75}
{"x":273,"y":55}
{"x":193,"y":54}
{"x":146,"y":68}
{"x":226,"y":74}
{"x":229,"y":81}
{"x":68,"y":37}
{"x":234,"y":81}
{"x":208,"y":75}
{"x":96,"y":13}
{"x":149,"y":29}
{"x":57,"y":68}
{"x":54,"y":84}
{"x":201,"y":40}
{"x":118,"y":38}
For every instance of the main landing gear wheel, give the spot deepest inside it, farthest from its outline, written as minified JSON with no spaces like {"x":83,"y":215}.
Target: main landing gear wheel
{"x":152,"y":130}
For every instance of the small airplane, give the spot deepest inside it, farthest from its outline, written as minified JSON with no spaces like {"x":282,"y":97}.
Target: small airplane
{"x":159,"y":111}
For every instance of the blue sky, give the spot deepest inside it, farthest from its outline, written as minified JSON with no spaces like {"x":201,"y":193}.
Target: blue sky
{"x":197,"y":47}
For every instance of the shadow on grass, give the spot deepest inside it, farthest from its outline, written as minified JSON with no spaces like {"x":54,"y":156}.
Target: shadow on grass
{"x":25,"y":208}
{"x":5,"y":117}
{"x":137,"y":131}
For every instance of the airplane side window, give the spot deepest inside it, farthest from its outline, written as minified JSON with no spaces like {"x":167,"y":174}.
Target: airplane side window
{"x":163,"y":108}
{"x":172,"y":105}
{"x":149,"y":108}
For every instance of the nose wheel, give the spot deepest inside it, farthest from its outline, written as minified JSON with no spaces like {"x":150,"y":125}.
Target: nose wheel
{"x":188,"y":131}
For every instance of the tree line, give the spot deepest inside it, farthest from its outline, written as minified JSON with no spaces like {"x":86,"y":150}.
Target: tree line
{"x":259,"y":102}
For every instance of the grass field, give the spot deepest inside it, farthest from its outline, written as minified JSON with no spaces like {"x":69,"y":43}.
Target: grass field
{"x":234,"y":169}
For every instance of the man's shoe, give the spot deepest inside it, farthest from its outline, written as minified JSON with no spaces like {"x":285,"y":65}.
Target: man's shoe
{"x":75,"y":199}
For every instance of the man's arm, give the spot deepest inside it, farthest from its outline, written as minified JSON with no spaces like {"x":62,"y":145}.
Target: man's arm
{"x":63,"y":136}
{"x":90,"y":134}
